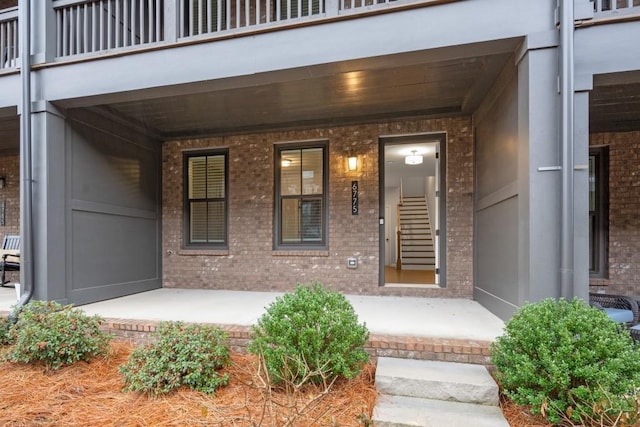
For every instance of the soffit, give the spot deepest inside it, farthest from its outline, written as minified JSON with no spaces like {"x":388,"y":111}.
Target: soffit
{"x":9,"y":134}
{"x":449,"y":87}
{"x":615,"y":107}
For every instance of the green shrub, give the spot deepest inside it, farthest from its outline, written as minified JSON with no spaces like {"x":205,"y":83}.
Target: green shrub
{"x":4,"y":331}
{"x":311,"y":335}
{"x":565,"y":359}
{"x":56,"y":335}
{"x":181,"y":354}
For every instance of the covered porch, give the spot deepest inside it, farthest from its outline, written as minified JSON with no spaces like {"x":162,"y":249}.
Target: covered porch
{"x":426,"y":328}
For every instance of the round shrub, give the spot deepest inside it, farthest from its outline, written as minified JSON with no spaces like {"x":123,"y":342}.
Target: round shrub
{"x":4,"y":331}
{"x":56,"y":335}
{"x":181,"y":354}
{"x":565,"y":359}
{"x":311,"y":335}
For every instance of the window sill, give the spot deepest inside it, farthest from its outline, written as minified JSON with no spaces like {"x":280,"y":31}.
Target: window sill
{"x":206,"y":252}
{"x":305,"y":253}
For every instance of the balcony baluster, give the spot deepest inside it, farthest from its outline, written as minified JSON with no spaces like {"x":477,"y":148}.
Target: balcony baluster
{"x":9,"y":38}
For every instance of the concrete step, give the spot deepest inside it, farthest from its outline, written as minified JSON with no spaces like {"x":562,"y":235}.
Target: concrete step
{"x":427,"y":379}
{"x":403,"y":411}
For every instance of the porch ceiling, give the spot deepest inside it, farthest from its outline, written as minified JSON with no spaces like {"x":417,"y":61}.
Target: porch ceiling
{"x":353,"y":93}
{"x":9,"y":134}
{"x":614,"y":107}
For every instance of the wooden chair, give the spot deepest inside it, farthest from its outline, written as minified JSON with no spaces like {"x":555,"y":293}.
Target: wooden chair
{"x":9,"y":257}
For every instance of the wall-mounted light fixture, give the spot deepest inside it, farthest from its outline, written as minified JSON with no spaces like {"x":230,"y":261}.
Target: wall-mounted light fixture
{"x":413,"y":159}
{"x":285,"y":163}
{"x":3,"y":182}
{"x":353,"y":163}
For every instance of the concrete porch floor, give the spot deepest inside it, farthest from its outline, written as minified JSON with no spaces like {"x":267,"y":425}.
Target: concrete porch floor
{"x":457,"y":319}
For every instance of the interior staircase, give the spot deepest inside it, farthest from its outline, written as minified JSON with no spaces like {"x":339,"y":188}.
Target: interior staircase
{"x":423,"y":393}
{"x":416,"y":239}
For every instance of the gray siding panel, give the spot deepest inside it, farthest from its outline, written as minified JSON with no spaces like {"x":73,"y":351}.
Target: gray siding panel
{"x":112,"y":170}
{"x":114,"y":217}
{"x":497,"y":262}
{"x":603,"y":49}
{"x":10,"y":89}
{"x":121,"y":249}
{"x":496,"y":207}
{"x":496,"y":151}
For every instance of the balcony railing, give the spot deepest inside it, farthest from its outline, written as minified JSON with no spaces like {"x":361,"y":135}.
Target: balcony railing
{"x":88,"y":26}
{"x":92,"y":26}
{"x":213,"y":16}
{"x":611,"y":7}
{"x":8,"y":38}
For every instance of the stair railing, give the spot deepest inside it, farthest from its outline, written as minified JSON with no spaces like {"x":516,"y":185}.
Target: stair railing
{"x":398,"y":235}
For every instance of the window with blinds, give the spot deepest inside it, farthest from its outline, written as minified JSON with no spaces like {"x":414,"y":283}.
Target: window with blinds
{"x":598,"y":211}
{"x":301,"y":195}
{"x":206,"y":199}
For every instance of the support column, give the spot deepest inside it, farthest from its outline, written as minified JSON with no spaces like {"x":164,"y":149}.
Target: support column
{"x":581,"y":192}
{"x":539,"y":175}
{"x":49,"y":201}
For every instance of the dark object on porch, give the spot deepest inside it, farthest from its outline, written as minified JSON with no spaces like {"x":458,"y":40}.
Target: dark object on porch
{"x":621,"y":308}
{"x":10,"y":256}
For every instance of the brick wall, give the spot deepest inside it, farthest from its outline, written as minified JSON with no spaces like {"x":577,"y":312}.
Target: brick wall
{"x":10,"y":196}
{"x":4,"y":4}
{"x":250,"y":262}
{"x":624,"y":212}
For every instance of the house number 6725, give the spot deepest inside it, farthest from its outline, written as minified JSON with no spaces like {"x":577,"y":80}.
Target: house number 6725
{"x":354,"y":197}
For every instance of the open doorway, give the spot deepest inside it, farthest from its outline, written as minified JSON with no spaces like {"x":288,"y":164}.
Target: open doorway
{"x":412,"y":236}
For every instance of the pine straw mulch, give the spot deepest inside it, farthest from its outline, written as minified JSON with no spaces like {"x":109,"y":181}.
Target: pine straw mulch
{"x":520,"y":416}
{"x":90,"y":394}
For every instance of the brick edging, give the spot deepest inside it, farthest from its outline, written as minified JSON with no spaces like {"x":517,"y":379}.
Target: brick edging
{"x":379,"y":345}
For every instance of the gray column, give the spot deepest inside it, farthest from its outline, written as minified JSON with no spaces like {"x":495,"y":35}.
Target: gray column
{"x":49,"y":201}
{"x":581,"y":195}
{"x":539,"y":175}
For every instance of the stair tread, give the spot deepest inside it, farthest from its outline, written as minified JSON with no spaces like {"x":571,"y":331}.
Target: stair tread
{"x":416,"y":412}
{"x":436,"y":380}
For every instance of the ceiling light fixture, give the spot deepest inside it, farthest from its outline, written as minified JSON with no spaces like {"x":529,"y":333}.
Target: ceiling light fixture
{"x":413,"y":159}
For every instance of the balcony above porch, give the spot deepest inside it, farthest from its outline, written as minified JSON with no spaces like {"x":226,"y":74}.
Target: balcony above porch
{"x":193,"y":67}
{"x":83,"y":29}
